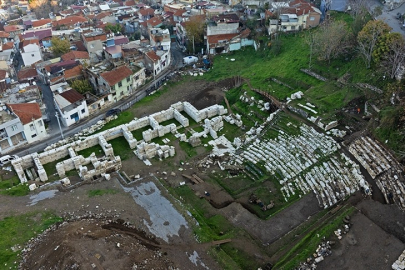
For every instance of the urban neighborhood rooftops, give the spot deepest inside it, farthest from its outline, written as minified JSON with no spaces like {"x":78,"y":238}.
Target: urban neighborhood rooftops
{"x":116,"y":75}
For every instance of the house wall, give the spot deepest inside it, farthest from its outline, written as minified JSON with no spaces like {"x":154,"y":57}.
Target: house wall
{"x":35,"y":131}
{"x":66,"y":117}
{"x":138,"y":79}
{"x":125,"y":89}
{"x":313,"y":19}
{"x":222,"y":28}
{"x":12,"y":127}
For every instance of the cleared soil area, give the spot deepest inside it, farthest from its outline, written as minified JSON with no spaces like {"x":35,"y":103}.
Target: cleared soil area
{"x":127,"y":226}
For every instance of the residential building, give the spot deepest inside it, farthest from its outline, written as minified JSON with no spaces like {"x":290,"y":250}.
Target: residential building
{"x":224,"y":43}
{"x":43,"y":35}
{"x":93,"y":42}
{"x":70,"y":104}
{"x":11,"y":130}
{"x":83,"y":57}
{"x":4,"y":80}
{"x":297,"y":16}
{"x":13,"y":30}
{"x":27,"y":75}
{"x":160,"y":38}
{"x":31,"y":118}
{"x":44,"y":23}
{"x":116,"y":83}
{"x":30,"y":51}
{"x":157,"y":61}
{"x":70,"y":22}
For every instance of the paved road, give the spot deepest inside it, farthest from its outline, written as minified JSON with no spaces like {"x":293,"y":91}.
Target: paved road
{"x":389,"y":17}
{"x":54,"y":133}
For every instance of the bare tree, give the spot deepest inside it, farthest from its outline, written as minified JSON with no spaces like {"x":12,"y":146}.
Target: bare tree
{"x":331,"y":40}
{"x":368,"y":37}
{"x":195,"y":29}
{"x":310,"y":40}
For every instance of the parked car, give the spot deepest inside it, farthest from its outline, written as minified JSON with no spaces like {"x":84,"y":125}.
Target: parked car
{"x":112,"y":112}
{"x":7,"y":159}
{"x":398,"y":16}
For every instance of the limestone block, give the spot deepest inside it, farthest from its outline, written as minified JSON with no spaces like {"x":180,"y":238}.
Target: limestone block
{"x":172,"y":151}
{"x":32,"y":187}
{"x":65,"y":181}
{"x":180,"y":118}
{"x":60,"y":169}
{"x":194,"y":141}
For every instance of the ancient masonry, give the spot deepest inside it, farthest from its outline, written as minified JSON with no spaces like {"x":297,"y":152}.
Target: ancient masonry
{"x":30,"y":167}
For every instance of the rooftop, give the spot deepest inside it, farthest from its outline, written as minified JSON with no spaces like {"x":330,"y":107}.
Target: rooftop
{"x":27,"y":112}
{"x":116,"y":75}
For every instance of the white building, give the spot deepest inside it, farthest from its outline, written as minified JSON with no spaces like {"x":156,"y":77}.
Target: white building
{"x":70,"y":104}
{"x":31,"y":117}
{"x":31,"y":54}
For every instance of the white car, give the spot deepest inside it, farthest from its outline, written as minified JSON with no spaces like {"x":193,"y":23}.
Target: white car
{"x":7,"y":159}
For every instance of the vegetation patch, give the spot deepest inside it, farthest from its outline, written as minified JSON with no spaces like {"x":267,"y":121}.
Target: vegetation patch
{"x":100,"y":192}
{"x":97,"y":150}
{"x":17,"y":230}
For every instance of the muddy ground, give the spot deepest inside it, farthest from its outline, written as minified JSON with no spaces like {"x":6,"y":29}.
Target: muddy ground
{"x":153,"y":240}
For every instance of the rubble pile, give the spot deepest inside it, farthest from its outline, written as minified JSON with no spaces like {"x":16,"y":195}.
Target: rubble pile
{"x":324,"y":248}
{"x":382,"y":167}
{"x":295,"y":162}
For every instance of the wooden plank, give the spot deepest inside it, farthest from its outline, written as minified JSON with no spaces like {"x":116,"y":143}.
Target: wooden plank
{"x":192,"y":179}
{"x":219,"y":242}
{"x":197,"y":178}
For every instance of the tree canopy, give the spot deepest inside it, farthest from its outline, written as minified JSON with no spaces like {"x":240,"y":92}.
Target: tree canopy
{"x":195,"y":29}
{"x":368,"y":39}
{"x":81,"y":86}
{"x":115,"y":28}
{"x":60,"y":46}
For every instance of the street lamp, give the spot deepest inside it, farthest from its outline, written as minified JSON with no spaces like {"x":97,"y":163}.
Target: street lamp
{"x":60,"y":128}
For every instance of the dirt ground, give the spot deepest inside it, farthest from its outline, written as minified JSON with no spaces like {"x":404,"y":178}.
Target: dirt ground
{"x":117,"y":230}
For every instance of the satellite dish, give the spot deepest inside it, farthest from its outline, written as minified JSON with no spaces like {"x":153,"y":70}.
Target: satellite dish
{"x":34,"y":83}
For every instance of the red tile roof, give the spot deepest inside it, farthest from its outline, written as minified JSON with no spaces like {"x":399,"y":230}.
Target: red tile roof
{"x":8,"y":45}
{"x":147,"y":11}
{"x":153,"y":21}
{"x":56,"y":79}
{"x":41,"y":22}
{"x":129,"y":3}
{"x":102,"y":15}
{"x":179,"y":12}
{"x":26,"y":111}
{"x":13,"y":28}
{"x":153,"y":56}
{"x":72,"y":96}
{"x":102,"y":37}
{"x":215,"y":38}
{"x":27,"y":73}
{"x":73,"y":72}
{"x":3,"y":75}
{"x":71,"y":20}
{"x":73,"y":55}
{"x":4,"y":34}
{"x":116,"y":75}
{"x":26,"y":42}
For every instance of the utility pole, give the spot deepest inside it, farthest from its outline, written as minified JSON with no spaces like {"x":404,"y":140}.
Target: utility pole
{"x":60,"y":128}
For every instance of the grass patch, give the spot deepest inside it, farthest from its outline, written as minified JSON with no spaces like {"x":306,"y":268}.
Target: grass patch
{"x":17,"y":230}
{"x":123,"y":118}
{"x":190,"y":151}
{"x":94,"y":149}
{"x":18,"y":190}
{"x":121,"y":148}
{"x":9,"y":183}
{"x":138,"y":133}
{"x":50,"y":169}
{"x":100,"y":192}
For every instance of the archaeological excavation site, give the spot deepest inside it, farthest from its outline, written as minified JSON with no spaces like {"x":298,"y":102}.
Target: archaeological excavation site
{"x":228,"y":179}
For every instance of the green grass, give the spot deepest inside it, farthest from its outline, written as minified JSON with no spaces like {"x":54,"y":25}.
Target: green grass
{"x":17,"y":230}
{"x":50,"y":168}
{"x":97,"y":150}
{"x":100,"y":192}
{"x":18,"y":190}
{"x":123,"y":118}
{"x":190,"y":151}
{"x":121,"y":148}
{"x":13,"y":181}
{"x":308,"y":244}
{"x":138,"y":133}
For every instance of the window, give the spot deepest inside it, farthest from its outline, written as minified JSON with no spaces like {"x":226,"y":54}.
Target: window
{"x":137,"y":78}
{"x":32,"y":127}
{"x":40,"y":123}
{"x":14,"y":127}
{"x":119,"y":84}
{"x":32,"y":55}
{"x":92,"y":46}
{"x":293,"y":27}
{"x":34,"y":135}
{"x":312,"y":18}
{"x":83,"y":110}
{"x":128,"y":79}
{"x":121,"y":94}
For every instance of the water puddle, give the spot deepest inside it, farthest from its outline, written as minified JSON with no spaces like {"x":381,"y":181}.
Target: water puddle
{"x":165,"y":220}
{"x":47,"y":194}
{"x":195,"y":259}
